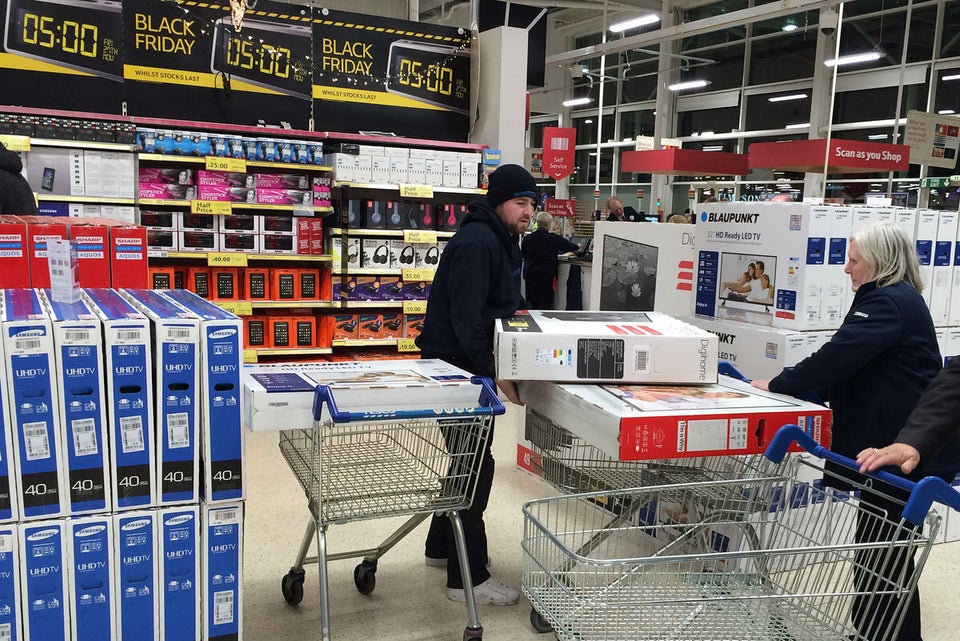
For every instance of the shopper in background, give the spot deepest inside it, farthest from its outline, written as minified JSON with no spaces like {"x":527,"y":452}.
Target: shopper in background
{"x":873,"y":372}
{"x":617,"y":212}
{"x":933,"y":423}
{"x":540,"y":250}
{"x":16,"y":197}
{"x":477,"y":282}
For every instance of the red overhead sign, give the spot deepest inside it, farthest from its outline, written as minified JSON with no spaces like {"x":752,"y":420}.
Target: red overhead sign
{"x":845,"y":156}
{"x":683,"y":162}
{"x":559,"y":147}
{"x":561,"y":207}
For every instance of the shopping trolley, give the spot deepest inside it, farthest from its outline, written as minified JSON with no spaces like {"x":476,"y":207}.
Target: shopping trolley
{"x":764,"y":558}
{"x":356,"y":465}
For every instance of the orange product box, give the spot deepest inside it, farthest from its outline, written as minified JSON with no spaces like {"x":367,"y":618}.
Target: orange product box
{"x":370,"y":326}
{"x":41,"y":229}
{"x":92,"y":242}
{"x":345,"y":327}
{"x":161,"y":278}
{"x":281,"y":331}
{"x":392,"y":325}
{"x":304,"y":330}
{"x":309,"y":286}
{"x":224,"y":283}
{"x":14,"y":253}
{"x":179,"y":276}
{"x":198,"y":281}
{"x":256,"y":283}
{"x":325,"y":325}
{"x":413,"y":325}
{"x":283,"y":283}
{"x":255,"y":332}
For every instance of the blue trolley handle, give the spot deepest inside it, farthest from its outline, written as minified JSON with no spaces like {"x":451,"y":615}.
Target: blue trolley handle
{"x":488,"y":405}
{"x":727,"y":369}
{"x":922,"y":493}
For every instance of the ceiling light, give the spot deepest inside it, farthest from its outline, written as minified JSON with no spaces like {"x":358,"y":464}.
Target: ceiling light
{"x":793,"y":96}
{"x":639,"y":21}
{"x":877,"y":137}
{"x":588,"y":121}
{"x":789,"y":26}
{"x":713,"y":148}
{"x":575,"y":102}
{"x":798,"y":125}
{"x":690,"y":84}
{"x":955,"y":76}
{"x":706,"y":133}
{"x":946,"y":112}
{"x":853,"y":59}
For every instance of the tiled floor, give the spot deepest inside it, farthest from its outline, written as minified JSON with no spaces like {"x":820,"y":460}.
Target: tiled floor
{"x":409,"y":601}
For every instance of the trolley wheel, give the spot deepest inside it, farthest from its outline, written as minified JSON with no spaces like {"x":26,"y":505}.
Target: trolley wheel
{"x":292,"y":587}
{"x":365,"y":576}
{"x":539,"y":624}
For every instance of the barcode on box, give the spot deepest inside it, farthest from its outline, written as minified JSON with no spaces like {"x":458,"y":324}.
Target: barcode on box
{"x":84,"y":436}
{"x":129,"y":335}
{"x":131,"y":434}
{"x":5,"y":634}
{"x":222,"y":607}
{"x":223,"y":516}
{"x":178,"y":430}
{"x":179,"y":334}
{"x":642,"y":360}
{"x":27,"y":344}
{"x":77,"y":335}
{"x":37,"y":440}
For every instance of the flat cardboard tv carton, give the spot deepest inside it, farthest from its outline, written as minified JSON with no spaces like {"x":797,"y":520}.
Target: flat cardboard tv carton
{"x":279,"y":397}
{"x":647,"y":422}
{"x":91,"y":575}
{"x":9,"y":506}
{"x":600,"y":346}
{"x":643,"y":267}
{"x":179,"y":579}
{"x":33,"y":406}
{"x":136,"y":588}
{"x":11,"y":618}
{"x":45,"y":555}
{"x":221,"y":420}
{"x":221,"y":544}
{"x":176,"y":360}
{"x":128,"y":366}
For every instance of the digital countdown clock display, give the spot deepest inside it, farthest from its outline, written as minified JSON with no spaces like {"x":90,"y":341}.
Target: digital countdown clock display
{"x":266,"y":54}
{"x":84,"y":35}
{"x":438,"y":75}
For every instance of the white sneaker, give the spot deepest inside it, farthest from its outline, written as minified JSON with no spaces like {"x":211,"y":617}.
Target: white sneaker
{"x":493,"y":591}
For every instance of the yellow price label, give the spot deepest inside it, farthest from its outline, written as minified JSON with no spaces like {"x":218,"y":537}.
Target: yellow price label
{"x":414,"y":307}
{"x":249,"y":356}
{"x":226,"y":259}
{"x":419,"y":236}
{"x":238,"y":308}
{"x":407,"y":345}
{"x":15,"y":143}
{"x":220,"y":207}
{"x":416,"y":191}
{"x":414,"y":275}
{"x":216,"y":163}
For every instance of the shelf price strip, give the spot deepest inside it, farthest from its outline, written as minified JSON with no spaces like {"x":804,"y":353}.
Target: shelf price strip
{"x":226,"y":259}
{"x":407,"y":345}
{"x":418,"y":274}
{"x":219,"y":207}
{"x":217,"y":163}
{"x":419,"y":236}
{"x":416,"y":191}
{"x":414,"y":307}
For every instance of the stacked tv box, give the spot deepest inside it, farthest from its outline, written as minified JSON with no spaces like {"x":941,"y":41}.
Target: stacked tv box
{"x":121,"y":479}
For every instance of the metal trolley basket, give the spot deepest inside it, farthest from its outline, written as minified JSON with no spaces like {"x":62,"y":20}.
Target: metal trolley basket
{"x":762,"y":558}
{"x":356,"y":465}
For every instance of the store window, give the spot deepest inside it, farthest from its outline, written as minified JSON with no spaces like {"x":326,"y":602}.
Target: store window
{"x":536,"y":132}
{"x":691,"y":123}
{"x":636,"y":123}
{"x":586,"y":125}
{"x":778,"y":114}
{"x":882,"y":33}
{"x":639,"y":78}
{"x":805,"y":21}
{"x":722,"y":67}
{"x":948,"y":92}
{"x":586,"y":165}
{"x":877,"y":104}
{"x":923,"y":28}
{"x":714,"y":37}
{"x":950,"y":45}
{"x":787,"y":57}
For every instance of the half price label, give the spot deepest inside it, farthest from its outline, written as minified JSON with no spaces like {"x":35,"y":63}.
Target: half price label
{"x":219,"y":207}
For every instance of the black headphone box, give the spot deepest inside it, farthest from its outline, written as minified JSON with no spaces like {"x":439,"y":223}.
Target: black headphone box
{"x":402,"y":254}
{"x":374,"y":216}
{"x":375,"y":253}
{"x":428,"y":256}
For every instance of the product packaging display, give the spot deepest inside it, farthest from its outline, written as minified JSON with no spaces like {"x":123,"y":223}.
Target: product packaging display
{"x":589,"y":346}
{"x":221,"y":598}
{"x":137,"y":567}
{"x":11,"y":598}
{"x":91,"y":578}
{"x":44,"y":545}
{"x":178,"y":536}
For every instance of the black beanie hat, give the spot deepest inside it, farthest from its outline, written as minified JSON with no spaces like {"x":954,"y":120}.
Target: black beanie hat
{"x":510,"y":181}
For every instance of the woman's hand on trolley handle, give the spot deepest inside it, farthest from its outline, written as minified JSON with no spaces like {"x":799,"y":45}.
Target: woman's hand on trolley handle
{"x":872,"y":458}
{"x":509,"y":389}
{"x":761,"y":384}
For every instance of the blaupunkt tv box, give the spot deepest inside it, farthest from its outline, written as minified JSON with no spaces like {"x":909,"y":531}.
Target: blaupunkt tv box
{"x":128,"y":367}
{"x":280,"y":397}
{"x":176,"y":334}
{"x":221,"y":421}
{"x":33,"y":406}
{"x":78,"y":341}
{"x":593,"y":347}
{"x":646,"y":422}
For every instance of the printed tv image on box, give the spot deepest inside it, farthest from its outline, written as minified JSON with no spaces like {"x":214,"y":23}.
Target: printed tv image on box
{"x":629,"y":275}
{"x":747,"y":281}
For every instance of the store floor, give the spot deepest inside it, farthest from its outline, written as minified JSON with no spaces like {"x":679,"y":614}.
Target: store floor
{"x":409,"y":601}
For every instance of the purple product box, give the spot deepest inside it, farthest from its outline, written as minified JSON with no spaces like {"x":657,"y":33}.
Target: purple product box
{"x":174,"y":175}
{"x":224,"y":179}
{"x":416,"y":290}
{"x":284,"y":197}
{"x":282,"y":181}
{"x":160,"y":191}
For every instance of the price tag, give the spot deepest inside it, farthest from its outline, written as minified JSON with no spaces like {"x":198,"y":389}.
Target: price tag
{"x":407,"y":345}
{"x":15,"y":143}
{"x":249,"y":356}
{"x":220,"y":207}
{"x":419,"y":236}
{"x":414,"y":307}
{"x":216,"y":163}
{"x":238,"y":308}
{"x":414,"y":275}
{"x":416,"y":191}
{"x":226,"y":259}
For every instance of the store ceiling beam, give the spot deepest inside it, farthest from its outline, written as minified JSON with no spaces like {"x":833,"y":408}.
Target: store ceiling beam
{"x":688,"y":29}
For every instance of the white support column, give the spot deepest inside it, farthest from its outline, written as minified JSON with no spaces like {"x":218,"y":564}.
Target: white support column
{"x":502,"y":103}
{"x":665,"y":122}
{"x":821,"y":100}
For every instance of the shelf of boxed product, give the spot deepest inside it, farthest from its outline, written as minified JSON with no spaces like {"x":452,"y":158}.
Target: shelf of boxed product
{"x":249,"y":355}
{"x":160,"y":202}
{"x":89,"y":200}
{"x":85,"y":144}
{"x":203,"y":160}
{"x":367,"y":342}
{"x":411,"y":190}
{"x":242,"y":256}
{"x":389,"y":233}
